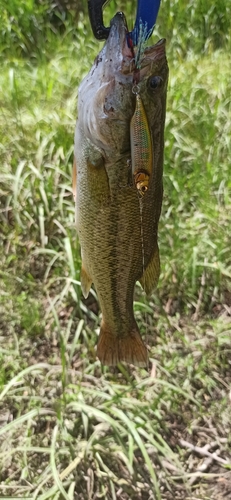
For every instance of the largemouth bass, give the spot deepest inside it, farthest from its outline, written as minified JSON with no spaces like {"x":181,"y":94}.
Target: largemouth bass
{"x":117,"y":228}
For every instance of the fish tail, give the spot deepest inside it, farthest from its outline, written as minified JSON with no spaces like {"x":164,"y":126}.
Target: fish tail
{"x":112,"y":349}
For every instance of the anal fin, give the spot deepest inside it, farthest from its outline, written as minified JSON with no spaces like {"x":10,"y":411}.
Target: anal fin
{"x":151,"y":274}
{"x":86,"y":282}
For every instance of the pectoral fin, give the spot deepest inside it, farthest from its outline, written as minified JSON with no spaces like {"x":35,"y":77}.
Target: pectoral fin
{"x":151,"y":274}
{"x":86,"y":282}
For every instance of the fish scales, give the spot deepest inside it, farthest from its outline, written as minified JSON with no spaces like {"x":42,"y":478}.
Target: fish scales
{"x":107,"y":202}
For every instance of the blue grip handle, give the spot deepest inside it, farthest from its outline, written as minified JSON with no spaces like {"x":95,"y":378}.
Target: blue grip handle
{"x":147,"y":11}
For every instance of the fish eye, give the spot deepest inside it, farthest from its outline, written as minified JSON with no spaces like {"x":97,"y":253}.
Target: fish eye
{"x":155,"y":82}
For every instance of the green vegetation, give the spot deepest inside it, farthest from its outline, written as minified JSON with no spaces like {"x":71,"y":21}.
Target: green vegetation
{"x":68,"y":428}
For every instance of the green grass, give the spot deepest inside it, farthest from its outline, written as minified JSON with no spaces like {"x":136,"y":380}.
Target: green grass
{"x":68,"y":428}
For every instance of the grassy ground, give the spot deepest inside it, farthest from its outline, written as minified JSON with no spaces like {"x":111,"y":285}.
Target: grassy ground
{"x":68,"y":428}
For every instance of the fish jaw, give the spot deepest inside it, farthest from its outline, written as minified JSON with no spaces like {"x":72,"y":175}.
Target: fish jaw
{"x":119,"y":56}
{"x":105,"y":93}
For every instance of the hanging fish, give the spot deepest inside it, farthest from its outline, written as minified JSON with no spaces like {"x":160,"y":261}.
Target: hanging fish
{"x":107,"y":207}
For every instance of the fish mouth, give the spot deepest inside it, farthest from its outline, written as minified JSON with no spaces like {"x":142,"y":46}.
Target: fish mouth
{"x":117,"y":50}
{"x":119,"y":22}
{"x":120,"y":56}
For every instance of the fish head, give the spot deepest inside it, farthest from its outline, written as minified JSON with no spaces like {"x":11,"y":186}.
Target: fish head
{"x":107,"y":93}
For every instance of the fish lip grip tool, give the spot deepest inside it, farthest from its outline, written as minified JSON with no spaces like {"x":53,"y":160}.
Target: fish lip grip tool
{"x":95,"y":12}
{"x":146,"y":15}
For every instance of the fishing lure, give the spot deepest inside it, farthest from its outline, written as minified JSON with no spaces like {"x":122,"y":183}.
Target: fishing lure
{"x":141,"y":146}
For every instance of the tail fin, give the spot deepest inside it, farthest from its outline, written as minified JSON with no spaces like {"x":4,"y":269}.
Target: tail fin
{"x":112,"y":349}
